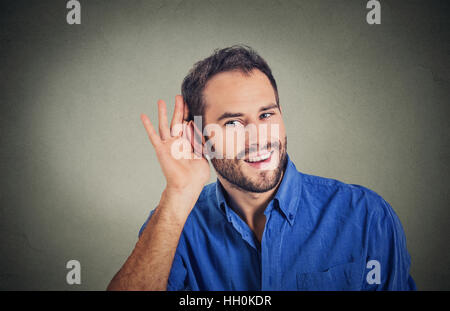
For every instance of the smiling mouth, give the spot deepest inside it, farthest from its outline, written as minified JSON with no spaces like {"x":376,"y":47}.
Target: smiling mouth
{"x":260,"y":158}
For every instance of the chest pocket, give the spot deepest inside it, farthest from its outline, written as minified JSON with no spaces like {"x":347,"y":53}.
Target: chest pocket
{"x":340,"y":277}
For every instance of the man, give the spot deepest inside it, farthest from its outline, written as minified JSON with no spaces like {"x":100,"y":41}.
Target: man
{"x":263,"y":225}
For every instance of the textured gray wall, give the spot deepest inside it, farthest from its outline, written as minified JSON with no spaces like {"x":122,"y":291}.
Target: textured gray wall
{"x":364,"y":104}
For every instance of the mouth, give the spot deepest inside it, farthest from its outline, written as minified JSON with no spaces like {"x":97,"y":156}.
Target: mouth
{"x":260,"y":159}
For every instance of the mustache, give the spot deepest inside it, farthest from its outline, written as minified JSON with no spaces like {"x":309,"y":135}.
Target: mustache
{"x":276,"y":145}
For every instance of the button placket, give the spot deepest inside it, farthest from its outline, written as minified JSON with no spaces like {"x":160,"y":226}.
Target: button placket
{"x":266,"y":273}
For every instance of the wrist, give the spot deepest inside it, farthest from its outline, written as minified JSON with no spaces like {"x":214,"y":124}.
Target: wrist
{"x":189,"y":193}
{"x":179,"y":202}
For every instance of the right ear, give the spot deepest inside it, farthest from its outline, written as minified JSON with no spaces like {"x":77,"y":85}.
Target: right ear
{"x":186,"y":115}
{"x":195,"y":138}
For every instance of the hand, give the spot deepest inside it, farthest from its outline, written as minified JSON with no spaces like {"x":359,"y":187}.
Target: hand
{"x":186,"y":171}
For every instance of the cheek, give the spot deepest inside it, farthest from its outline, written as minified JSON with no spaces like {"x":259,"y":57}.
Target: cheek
{"x":275,"y":131}
{"x":282,"y":133}
{"x":214,"y":140}
{"x":227,"y":143}
{"x":233,"y":142}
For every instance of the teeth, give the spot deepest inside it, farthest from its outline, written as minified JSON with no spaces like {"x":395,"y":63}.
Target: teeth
{"x":260,"y":158}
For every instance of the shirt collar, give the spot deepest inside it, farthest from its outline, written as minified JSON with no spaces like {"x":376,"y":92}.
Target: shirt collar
{"x":287,"y":196}
{"x":289,"y":192}
{"x":221,"y":200}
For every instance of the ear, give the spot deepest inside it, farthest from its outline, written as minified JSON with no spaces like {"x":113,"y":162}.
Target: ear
{"x":193,"y":136}
{"x":198,"y":134}
{"x":186,"y":115}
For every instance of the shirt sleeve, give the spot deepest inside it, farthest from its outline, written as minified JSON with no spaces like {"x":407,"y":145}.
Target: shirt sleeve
{"x":177,"y":277}
{"x":388,"y":261}
{"x":145,"y":223}
{"x":178,"y":272}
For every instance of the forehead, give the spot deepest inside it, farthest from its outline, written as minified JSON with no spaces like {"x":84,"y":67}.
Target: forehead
{"x":234,"y":91}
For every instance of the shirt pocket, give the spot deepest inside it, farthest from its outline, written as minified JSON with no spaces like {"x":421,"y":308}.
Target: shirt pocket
{"x":340,"y":277}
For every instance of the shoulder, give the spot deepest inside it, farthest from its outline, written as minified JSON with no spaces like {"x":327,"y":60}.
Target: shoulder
{"x":206,"y":201}
{"x":207,"y":195}
{"x":342,"y":198}
{"x":206,"y":210}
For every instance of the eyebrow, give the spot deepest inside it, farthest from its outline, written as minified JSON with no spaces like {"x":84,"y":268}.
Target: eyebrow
{"x":227,"y":115}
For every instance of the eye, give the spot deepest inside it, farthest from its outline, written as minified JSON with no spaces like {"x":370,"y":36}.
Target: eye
{"x":265,"y":115}
{"x":233,"y":123}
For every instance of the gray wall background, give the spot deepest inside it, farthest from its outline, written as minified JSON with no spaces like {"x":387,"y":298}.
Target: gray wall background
{"x":365,"y":104}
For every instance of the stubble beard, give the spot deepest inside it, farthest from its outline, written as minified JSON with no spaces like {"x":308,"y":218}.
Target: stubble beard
{"x":231,"y":170}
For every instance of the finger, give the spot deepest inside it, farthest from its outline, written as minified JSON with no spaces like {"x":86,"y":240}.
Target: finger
{"x":154,"y":137}
{"x":175,"y":125}
{"x":164,"y":131}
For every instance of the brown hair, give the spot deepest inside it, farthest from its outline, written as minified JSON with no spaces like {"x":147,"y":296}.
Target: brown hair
{"x":236,"y":57}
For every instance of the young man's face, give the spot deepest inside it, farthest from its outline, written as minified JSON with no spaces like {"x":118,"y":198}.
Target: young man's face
{"x":249,"y":131}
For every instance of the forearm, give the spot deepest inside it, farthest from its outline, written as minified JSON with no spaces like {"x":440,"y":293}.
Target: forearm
{"x":148,"y":266}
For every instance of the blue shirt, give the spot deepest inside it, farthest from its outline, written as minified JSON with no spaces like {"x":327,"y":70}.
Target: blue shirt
{"x":320,"y":234}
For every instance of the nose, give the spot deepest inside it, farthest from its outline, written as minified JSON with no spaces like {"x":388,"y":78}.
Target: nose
{"x":258,"y":134}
